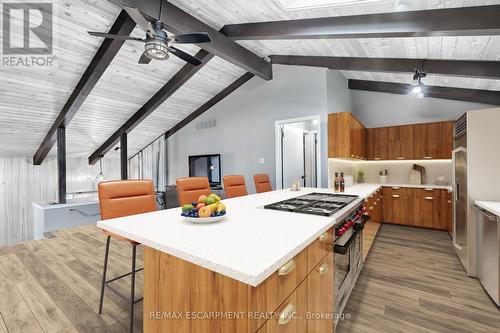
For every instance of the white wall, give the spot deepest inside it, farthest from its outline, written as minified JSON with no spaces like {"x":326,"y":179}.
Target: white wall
{"x":245,"y":122}
{"x":22,"y":183}
{"x":376,"y":109}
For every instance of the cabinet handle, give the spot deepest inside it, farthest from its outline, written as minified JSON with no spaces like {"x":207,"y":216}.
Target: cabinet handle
{"x":395,"y":196}
{"x":429,"y":189}
{"x":427,"y":157}
{"x":287,"y":268}
{"x":429,"y":198}
{"x":323,"y":268}
{"x":287,"y":314}
{"x":324,"y":237}
{"x":400,"y":158}
{"x":377,"y":158}
{"x":395,"y":188}
{"x":371,"y":207}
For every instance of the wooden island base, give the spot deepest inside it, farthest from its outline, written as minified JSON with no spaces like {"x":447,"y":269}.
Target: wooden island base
{"x":182,"y":297}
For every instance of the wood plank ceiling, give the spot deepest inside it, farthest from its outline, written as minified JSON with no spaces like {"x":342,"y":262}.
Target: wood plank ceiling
{"x":32,"y":98}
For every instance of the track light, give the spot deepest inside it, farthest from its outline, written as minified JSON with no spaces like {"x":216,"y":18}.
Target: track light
{"x":417,"y":90}
{"x":417,"y":83}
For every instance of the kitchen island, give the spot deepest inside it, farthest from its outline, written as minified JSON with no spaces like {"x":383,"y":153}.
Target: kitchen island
{"x":243,"y":274}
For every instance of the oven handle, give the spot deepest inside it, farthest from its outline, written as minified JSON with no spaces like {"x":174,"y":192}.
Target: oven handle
{"x":342,"y":249}
{"x":361,"y":224}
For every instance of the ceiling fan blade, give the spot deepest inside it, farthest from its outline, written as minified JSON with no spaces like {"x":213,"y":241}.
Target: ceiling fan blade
{"x":145,"y":25}
{"x":195,"y":38}
{"x":144,"y":59}
{"x":105,"y":35}
{"x":184,"y":56}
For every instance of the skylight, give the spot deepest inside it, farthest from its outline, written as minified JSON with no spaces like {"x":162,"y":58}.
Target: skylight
{"x":289,"y":5}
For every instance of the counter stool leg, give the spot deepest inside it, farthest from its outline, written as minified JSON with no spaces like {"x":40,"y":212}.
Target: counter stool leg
{"x":132,"y":291}
{"x":104,"y":274}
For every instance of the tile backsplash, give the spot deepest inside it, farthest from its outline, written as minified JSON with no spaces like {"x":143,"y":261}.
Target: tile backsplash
{"x":398,"y":171}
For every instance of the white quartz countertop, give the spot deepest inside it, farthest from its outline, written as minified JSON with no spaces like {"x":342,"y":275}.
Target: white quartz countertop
{"x":248,"y":245}
{"x":491,"y":206}
{"x":69,"y":204}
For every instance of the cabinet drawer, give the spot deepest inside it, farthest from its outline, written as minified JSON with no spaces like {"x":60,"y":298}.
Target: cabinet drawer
{"x":319,"y":249}
{"x":267,"y":296}
{"x":291,"y":314}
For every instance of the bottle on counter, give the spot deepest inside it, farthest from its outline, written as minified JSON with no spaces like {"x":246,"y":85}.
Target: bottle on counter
{"x":342,"y":183}
{"x":336,"y":183}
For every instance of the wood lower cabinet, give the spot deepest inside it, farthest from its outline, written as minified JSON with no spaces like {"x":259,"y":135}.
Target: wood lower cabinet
{"x":320,"y":296}
{"x":426,"y":210}
{"x":396,"y":205}
{"x":173,"y":286}
{"x":290,"y":316}
{"x":418,"y":207}
{"x":400,"y":142}
{"x":373,"y":206}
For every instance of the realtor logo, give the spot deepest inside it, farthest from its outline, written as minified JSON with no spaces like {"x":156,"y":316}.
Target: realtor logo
{"x":28,"y":34}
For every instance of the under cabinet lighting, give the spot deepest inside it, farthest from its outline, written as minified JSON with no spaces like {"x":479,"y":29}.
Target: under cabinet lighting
{"x":289,"y":5}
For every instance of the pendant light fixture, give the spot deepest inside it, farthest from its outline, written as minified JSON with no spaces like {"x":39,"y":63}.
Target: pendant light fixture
{"x":100,"y":176}
{"x":417,"y":82}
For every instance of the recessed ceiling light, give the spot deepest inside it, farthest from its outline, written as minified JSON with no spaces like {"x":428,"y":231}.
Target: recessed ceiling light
{"x":288,"y":5}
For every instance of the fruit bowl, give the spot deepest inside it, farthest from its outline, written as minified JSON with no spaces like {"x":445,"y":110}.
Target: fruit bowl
{"x":205,"y":220}
{"x":206,"y":210}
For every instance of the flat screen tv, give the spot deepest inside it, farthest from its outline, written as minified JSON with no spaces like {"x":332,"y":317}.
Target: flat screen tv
{"x":206,"y":166}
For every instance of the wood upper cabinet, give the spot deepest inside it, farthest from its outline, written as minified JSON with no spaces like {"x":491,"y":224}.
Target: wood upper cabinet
{"x":376,"y":143}
{"x":427,"y":141}
{"x":346,"y":136}
{"x":400,"y":143}
{"x":447,"y":139}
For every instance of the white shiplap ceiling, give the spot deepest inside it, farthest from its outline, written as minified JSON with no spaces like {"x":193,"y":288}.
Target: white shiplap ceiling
{"x":31,"y":98}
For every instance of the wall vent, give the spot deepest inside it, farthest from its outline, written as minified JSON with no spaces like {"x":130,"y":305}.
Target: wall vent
{"x":461,"y":126}
{"x":210,"y":123}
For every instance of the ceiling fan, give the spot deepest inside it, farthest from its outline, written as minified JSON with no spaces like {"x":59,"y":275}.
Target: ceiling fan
{"x":158,"y":42}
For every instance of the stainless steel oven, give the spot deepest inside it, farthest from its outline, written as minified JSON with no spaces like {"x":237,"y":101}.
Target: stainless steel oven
{"x":348,"y":249}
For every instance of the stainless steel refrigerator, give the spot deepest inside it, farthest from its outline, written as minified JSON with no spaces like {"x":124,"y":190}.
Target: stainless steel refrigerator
{"x":460,"y":216}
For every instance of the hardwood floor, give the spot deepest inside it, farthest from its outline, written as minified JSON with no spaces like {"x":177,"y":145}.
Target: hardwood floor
{"x":412,"y":281}
{"x":53,"y":285}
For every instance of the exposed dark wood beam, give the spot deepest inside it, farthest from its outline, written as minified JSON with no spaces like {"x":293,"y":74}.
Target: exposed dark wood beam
{"x":61,"y":164}
{"x":478,"y":69}
{"x":214,"y":100}
{"x":181,"y":77}
{"x":103,"y":57}
{"x":465,"y":21}
{"x":459,"y":94}
{"x":123,"y":156}
{"x":178,"y":21}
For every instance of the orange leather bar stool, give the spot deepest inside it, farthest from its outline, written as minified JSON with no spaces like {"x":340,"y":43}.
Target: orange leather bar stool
{"x":234,"y":186}
{"x":189,"y":189}
{"x":262,"y":183}
{"x":118,"y":199}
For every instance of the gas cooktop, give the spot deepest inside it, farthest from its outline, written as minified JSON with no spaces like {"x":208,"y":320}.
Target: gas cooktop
{"x":324,"y":204}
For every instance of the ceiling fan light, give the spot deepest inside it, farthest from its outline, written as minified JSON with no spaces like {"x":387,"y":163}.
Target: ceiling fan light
{"x":420,"y":95}
{"x":156,"y":50}
{"x":417,"y":90}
